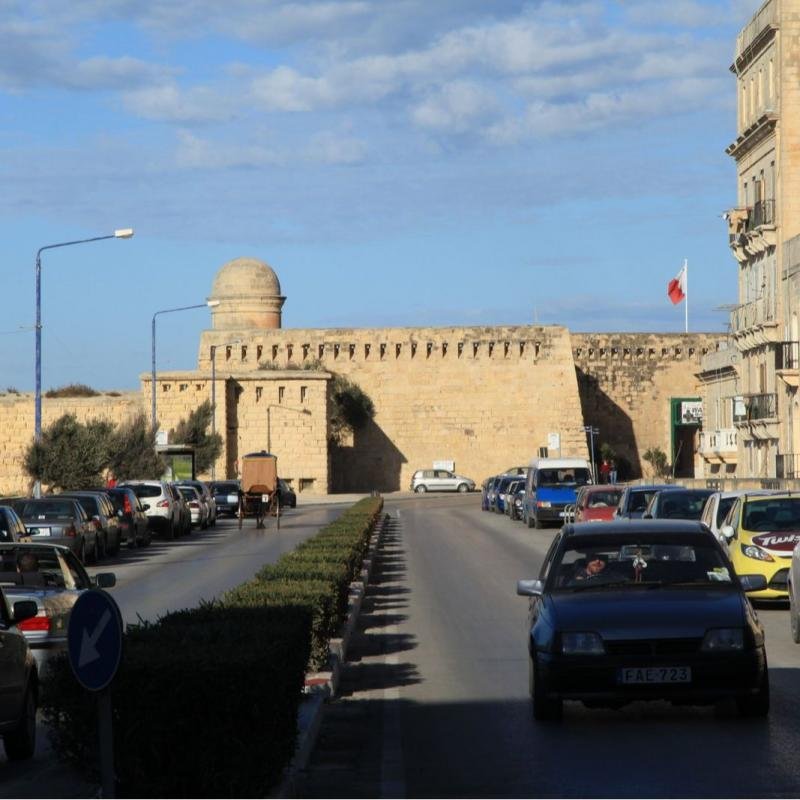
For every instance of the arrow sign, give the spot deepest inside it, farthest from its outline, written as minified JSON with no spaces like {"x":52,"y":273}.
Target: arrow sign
{"x":94,"y":639}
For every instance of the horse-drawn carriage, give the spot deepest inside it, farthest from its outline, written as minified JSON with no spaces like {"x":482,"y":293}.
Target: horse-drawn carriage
{"x":259,"y":495}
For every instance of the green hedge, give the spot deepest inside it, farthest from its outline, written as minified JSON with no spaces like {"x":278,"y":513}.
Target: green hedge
{"x":205,"y":701}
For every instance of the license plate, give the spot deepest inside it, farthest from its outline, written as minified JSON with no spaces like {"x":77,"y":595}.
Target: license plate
{"x":655,"y":675}
{"x":38,"y":531}
{"x":265,"y":498}
{"x":562,"y":513}
{"x":232,"y":498}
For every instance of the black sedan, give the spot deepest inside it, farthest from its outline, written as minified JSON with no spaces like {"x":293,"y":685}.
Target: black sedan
{"x":643,"y":610}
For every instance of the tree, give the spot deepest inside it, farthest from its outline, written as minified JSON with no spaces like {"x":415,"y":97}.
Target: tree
{"x":133,"y":451}
{"x":352,"y":408}
{"x":657,"y":459}
{"x":193,"y":431}
{"x":70,"y":455}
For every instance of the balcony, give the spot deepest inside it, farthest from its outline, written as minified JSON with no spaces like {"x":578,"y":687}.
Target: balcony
{"x":756,"y":323}
{"x":787,"y":363}
{"x":756,"y":407}
{"x":763,"y":213}
{"x":719,"y":445}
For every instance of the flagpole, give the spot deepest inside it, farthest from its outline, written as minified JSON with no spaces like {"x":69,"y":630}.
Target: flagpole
{"x":686,"y":299}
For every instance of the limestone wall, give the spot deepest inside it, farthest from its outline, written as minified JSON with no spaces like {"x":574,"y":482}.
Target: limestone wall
{"x":485,"y":398}
{"x":16,"y":426}
{"x":626,"y":382}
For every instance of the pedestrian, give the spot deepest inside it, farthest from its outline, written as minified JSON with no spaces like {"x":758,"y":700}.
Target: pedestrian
{"x":605,"y":470}
{"x":612,"y":471}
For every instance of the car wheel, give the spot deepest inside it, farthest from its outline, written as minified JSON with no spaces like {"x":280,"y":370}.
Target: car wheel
{"x":526,"y":517}
{"x":21,"y":742}
{"x":544,"y":707}
{"x":756,"y":705}
{"x":82,"y":552}
{"x":148,"y":537}
{"x":115,"y":549}
{"x":98,"y":551}
{"x":170,"y":530}
{"x":537,"y":523}
{"x":421,"y":489}
{"x":463,"y":488}
{"x":794,"y":618}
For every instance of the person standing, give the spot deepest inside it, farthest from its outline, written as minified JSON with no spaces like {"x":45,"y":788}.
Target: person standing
{"x":612,"y":471}
{"x":605,"y":471}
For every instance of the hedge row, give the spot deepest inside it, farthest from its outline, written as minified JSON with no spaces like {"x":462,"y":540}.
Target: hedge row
{"x":205,"y":701}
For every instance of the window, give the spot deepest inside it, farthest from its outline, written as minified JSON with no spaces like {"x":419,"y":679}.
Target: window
{"x":303,"y":393}
{"x":281,"y":392}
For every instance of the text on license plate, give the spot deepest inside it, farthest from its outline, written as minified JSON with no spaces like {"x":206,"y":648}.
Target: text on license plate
{"x":39,"y":531}
{"x":562,"y":513}
{"x":655,"y":675}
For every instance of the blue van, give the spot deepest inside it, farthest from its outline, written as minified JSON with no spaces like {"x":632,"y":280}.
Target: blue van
{"x":551,"y":485}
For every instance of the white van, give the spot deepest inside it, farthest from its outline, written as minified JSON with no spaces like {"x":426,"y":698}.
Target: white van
{"x":551,"y":485}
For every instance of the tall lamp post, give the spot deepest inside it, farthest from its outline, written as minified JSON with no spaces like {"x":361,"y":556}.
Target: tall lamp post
{"x":592,"y":433}
{"x":121,"y":233}
{"x":207,"y":304}
{"x":214,"y":392}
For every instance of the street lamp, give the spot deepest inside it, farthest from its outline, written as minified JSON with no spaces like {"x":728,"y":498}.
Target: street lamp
{"x":121,"y":233}
{"x":592,"y":433}
{"x":214,"y":392}
{"x":207,"y":304}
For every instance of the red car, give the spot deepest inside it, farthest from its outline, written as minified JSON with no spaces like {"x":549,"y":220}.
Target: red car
{"x":597,"y":503}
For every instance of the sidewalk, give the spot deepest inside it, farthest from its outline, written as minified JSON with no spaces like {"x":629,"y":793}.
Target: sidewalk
{"x":336,"y":499}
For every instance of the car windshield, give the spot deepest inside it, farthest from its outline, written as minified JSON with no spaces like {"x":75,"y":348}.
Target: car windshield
{"x":225,"y":488}
{"x":650,"y":560}
{"x":188,"y":492}
{"x":681,"y":505}
{"x":772,"y":514}
{"x":603,"y":499}
{"x":146,"y":490}
{"x":568,"y":476}
{"x":47,"y":509}
{"x":640,"y":500}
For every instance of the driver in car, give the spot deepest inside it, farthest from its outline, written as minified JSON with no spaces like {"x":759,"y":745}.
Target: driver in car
{"x":593,"y":566}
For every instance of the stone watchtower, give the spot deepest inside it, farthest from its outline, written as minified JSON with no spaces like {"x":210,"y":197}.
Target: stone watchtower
{"x":249,"y":296}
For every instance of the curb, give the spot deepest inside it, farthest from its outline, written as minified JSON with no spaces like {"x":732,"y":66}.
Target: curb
{"x":323,"y":685}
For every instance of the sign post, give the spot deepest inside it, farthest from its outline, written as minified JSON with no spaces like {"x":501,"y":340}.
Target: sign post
{"x":94,"y":642}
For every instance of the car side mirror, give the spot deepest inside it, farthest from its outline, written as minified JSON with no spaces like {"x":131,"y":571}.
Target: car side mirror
{"x":25,"y":609}
{"x":530,"y":588}
{"x":104,"y":580}
{"x":727,"y":532}
{"x":145,"y":506}
{"x":753,"y":583}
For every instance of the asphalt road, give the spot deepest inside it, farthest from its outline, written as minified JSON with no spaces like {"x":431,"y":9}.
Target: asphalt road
{"x":435,"y":701}
{"x":169,"y":576}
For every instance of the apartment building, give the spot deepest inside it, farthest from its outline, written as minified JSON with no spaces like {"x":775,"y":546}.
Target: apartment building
{"x":764,"y":236}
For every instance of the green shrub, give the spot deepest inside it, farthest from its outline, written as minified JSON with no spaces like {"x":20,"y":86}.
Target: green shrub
{"x":72,"y":390}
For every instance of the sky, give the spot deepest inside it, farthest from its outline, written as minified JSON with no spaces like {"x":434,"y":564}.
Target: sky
{"x":396,"y":162}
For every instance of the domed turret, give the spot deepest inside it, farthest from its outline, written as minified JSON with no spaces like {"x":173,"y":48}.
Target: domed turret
{"x":249,"y":296}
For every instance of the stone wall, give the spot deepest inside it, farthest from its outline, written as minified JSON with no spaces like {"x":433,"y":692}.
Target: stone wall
{"x":626,"y":382}
{"x":16,"y":426}
{"x":483,"y":397}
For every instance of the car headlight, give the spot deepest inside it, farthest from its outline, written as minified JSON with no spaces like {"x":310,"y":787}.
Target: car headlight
{"x":720,"y":640}
{"x":754,"y":551}
{"x":583,"y":644}
{"x":543,"y":503}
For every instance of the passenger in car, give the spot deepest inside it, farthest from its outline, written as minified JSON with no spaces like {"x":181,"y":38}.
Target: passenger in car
{"x":28,"y":567}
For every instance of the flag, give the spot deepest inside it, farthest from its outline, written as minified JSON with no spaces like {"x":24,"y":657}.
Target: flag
{"x":676,"y":288}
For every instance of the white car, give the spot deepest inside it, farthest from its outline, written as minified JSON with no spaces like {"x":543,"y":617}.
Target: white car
{"x":163,"y":513}
{"x":718,"y":505}
{"x":794,"y":601}
{"x":440,"y":480}
{"x":196,"y":503}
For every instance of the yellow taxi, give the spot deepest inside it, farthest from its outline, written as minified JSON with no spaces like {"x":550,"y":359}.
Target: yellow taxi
{"x":761,"y":532}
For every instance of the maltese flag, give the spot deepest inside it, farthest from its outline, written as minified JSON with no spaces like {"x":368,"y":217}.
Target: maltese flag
{"x":676,"y":288}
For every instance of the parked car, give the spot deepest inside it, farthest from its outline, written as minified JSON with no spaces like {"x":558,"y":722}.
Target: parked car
{"x":597,"y":502}
{"x":762,"y":531}
{"x":551,"y":486}
{"x":197,"y":507}
{"x":501,"y":492}
{"x":509,"y":508}
{"x":226,"y":496}
{"x":132,"y":516}
{"x":12,"y":528}
{"x":286,"y":495}
{"x":184,"y":512}
{"x":100,"y":510}
{"x":719,"y":504}
{"x":208,"y":499}
{"x":61,"y":520}
{"x":440,"y":480}
{"x":19,"y":680}
{"x":163,"y":513}
{"x":53,"y":578}
{"x":635,"y":499}
{"x":491,"y":491}
{"x":643,"y":610}
{"x":677,"y":503}
{"x":792,"y":587}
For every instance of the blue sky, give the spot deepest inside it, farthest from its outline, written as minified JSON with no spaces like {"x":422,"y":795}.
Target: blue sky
{"x":397,"y":162}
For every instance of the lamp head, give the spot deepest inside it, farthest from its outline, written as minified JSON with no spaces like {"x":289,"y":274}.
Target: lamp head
{"x":123,"y":233}
{"x":212,"y":303}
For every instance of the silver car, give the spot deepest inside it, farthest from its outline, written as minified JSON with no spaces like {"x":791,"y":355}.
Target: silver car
{"x":440,"y":480}
{"x":163,"y":513}
{"x":51,"y":576}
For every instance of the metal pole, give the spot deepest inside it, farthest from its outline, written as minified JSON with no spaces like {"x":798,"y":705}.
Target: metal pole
{"x":213,"y":403}
{"x":105,"y":735}
{"x":37,"y":402}
{"x":153,"y":376}
{"x":269,"y":432}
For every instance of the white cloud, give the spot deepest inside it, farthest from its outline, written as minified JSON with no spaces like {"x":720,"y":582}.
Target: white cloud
{"x":330,"y":148}
{"x":455,"y":107}
{"x":167,"y":103}
{"x":196,"y":153}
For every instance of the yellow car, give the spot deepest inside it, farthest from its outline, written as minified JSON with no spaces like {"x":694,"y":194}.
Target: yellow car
{"x":761,"y":532}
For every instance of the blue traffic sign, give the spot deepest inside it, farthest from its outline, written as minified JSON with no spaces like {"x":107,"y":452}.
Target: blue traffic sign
{"x":94,"y":639}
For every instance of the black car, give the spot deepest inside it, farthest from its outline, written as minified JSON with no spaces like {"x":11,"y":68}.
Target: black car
{"x":132,"y":517}
{"x":226,"y":496}
{"x":12,"y":529}
{"x":677,"y":503}
{"x":643,"y":610}
{"x":100,"y":510}
{"x":635,"y":499}
{"x":286,"y":495}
